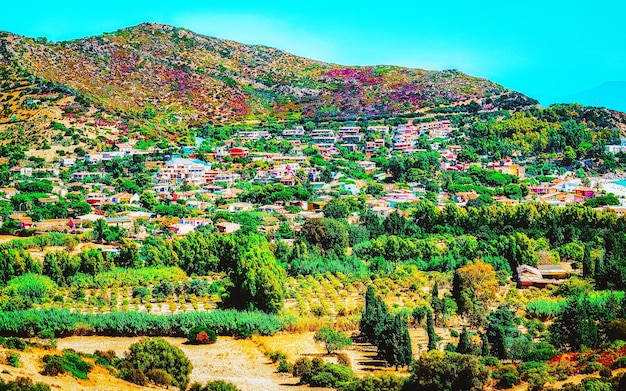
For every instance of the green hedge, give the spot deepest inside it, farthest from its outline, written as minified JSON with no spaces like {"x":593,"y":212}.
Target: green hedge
{"x":66,"y":323}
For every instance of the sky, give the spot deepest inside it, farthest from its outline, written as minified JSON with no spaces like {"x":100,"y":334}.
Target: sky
{"x":546,"y":49}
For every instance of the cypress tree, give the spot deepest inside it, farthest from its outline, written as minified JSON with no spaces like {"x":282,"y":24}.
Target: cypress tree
{"x":402,"y":350}
{"x":485,"y":349}
{"x":430,"y":330}
{"x":464,"y":343}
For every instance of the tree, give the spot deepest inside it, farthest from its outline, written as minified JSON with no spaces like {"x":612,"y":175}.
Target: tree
{"x":473,"y":286}
{"x":336,"y":209}
{"x":147,"y":200}
{"x":395,"y":224}
{"x":332,"y":339}
{"x":465,"y":346}
{"x":157,"y":353}
{"x":436,"y":371}
{"x":259,"y":280}
{"x":433,"y":338}
{"x":325,"y":233}
{"x":129,"y":254}
{"x":501,"y":330}
{"x":401,"y":352}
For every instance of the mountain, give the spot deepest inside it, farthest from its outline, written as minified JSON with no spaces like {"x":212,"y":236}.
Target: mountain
{"x":611,"y":95}
{"x":186,"y":78}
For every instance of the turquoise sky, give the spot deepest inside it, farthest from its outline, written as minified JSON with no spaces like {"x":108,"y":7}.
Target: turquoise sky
{"x":542,"y":48}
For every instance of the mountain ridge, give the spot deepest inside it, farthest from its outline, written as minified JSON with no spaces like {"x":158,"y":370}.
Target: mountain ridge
{"x":207,"y":79}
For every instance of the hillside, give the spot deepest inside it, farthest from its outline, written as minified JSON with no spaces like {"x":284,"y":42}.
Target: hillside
{"x":202,"y":79}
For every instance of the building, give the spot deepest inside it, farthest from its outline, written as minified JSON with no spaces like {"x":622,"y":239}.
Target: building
{"x":384,"y":129}
{"x":323,"y":136}
{"x":226,"y":227}
{"x":540,"y":276}
{"x":178,"y":170}
{"x":297,"y":132}
{"x":238,"y":152}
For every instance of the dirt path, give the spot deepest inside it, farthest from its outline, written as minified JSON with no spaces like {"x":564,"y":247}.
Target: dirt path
{"x":240,"y":362}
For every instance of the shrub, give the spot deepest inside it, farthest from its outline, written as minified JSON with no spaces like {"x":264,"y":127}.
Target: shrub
{"x":108,"y":356}
{"x":507,"y":375}
{"x":13,"y":359}
{"x":159,"y":377}
{"x":284,"y":367}
{"x":23,"y":384}
{"x":197,"y":287}
{"x":163,"y":290}
{"x":276,"y":356}
{"x":157,"y":353}
{"x":343,"y":359}
{"x":32,"y":287}
{"x":619,"y":363}
{"x":382,"y":382}
{"x":605,"y":372}
{"x":332,"y":339}
{"x":304,"y":368}
{"x":447,"y":371}
{"x":13,"y":343}
{"x":134,"y":375}
{"x":331,"y":376}
{"x":201,"y":335}
{"x":592,"y":367}
{"x":141,"y":292}
{"x":218,"y":385}
{"x":490,"y":361}
{"x":68,"y":362}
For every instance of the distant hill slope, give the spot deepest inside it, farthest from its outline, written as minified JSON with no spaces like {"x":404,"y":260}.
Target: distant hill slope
{"x":611,"y":95}
{"x":199,"y":79}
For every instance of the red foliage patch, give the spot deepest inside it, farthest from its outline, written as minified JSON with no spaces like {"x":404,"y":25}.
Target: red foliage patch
{"x":363,"y":76}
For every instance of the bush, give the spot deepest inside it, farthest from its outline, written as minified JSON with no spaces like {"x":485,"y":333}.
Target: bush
{"x":332,"y":339}
{"x":619,"y":363}
{"x":141,"y":292}
{"x":13,"y":359}
{"x":201,"y":335}
{"x":305,"y":367}
{"x":592,"y":367}
{"x":507,"y":375}
{"x":134,"y":375}
{"x":23,"y":384}
{"x":218,"y":385}
{"x":197,"y":287}
{"x":13,"y":343}
{"x":157,"y":353}
{"x":68,"y":362}
{"x":490,"y":361}
{"x":284,"y":367}
{"x":343,"y":359}
{"x":159,"y":377}
{"x":163,"y":290}
{"x":331,"y":376}
{"x":276,"y":356}
{"x":436,"y":370}
{"x":31,"y":287}
{"x":605,"y":372}
{"x":382,"y":382}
